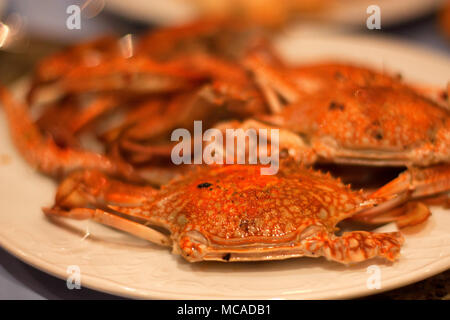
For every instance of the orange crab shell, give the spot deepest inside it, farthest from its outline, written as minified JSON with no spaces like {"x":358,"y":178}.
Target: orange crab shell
{"x":233,"y":213}
{"x":405,"y":125}
{"x":225,"y":209}
{"x":327,"y":75}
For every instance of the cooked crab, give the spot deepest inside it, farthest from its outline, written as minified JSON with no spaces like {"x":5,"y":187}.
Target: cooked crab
{"x":43,"y":153}
{"x":289,"y":84}
{"x":374,"y":125}
{"x":377,"y":126}
{"x":233,"y":213}
{"x":51,"y":144}
{"x":160,"y":61}
{"x":364,"y":118}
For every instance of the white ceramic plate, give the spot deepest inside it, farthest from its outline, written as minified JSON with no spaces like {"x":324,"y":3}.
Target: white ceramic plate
{"x":120,"y":264}
{"x":353,"y":12}
{"x":347,"y":12}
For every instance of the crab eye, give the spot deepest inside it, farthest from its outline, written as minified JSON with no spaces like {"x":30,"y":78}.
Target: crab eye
{"x":335,"y":105}
{"x":204,"y":185}
{"x":227,"y":257}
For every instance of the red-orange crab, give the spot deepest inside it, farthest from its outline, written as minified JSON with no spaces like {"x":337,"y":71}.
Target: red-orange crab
{"x":225,"y":91}
{"x":42,"y":152}
{"x":233,"y":213}
{"x":291,"y":84}
{"x":374,"y":125}
{"x":91,"y":53}
{"x":159,"y":61}
{"x":207,"y":85}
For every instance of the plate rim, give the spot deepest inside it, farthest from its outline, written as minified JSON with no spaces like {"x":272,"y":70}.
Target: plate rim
{"x":111,"y":287}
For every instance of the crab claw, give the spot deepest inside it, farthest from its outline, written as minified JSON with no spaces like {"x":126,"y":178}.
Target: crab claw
{"x":93,"y":188}
{"x":410,"y":214}
{"x":43,"y":153}
{"x":415,"y":183}
{"x":83,"y":190}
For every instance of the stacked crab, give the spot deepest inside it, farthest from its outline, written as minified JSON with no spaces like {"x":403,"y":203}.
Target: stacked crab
{"x":105,"y":111}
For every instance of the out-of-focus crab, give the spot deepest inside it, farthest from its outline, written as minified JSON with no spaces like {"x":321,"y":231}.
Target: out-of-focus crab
{"x":42,"y":152}
{"x":90,"y":53}
{"x":141,"y":138}
{"x":377,"y":126}
{"x":161,"y":61}
{"x":288,"y":84}
{"x":233,"y":213}
{"x":374,"y":125}
{"x":153,"y":89}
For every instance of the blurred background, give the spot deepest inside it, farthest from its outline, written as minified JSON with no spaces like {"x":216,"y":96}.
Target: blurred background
{"x":31,"y":29}
{"x":36,"y":28}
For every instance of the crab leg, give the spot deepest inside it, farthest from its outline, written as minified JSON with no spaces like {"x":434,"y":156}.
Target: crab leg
{"x":288,"y":141}
{"x":419,"y":183}
{"x":357,"y":246}
{"x":413,"y":184}
{"x":272,"y":84}
{"x":148,"y":109}
{"x":144,"y":153}
{"x":84,"y":189}
{"x":409,"y":214}
{"x":441,"y":200}
{"x":137,"y":229}
{"x":330,"y":152}
{"x":95,"y":109}
{"x":155,"y":124}
{"x":242,"y":99}
{"x":138,"y":74}
{"x":43,"y":153}
{"x":93,"y":188}
{"x":54,"y":120}
{"x":56,"y":66}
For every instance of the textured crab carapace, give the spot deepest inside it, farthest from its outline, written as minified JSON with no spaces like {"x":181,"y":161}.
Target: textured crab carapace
{"x":233,"y":213}
{"x":373,"y":126}
{"x":353,"y":114}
